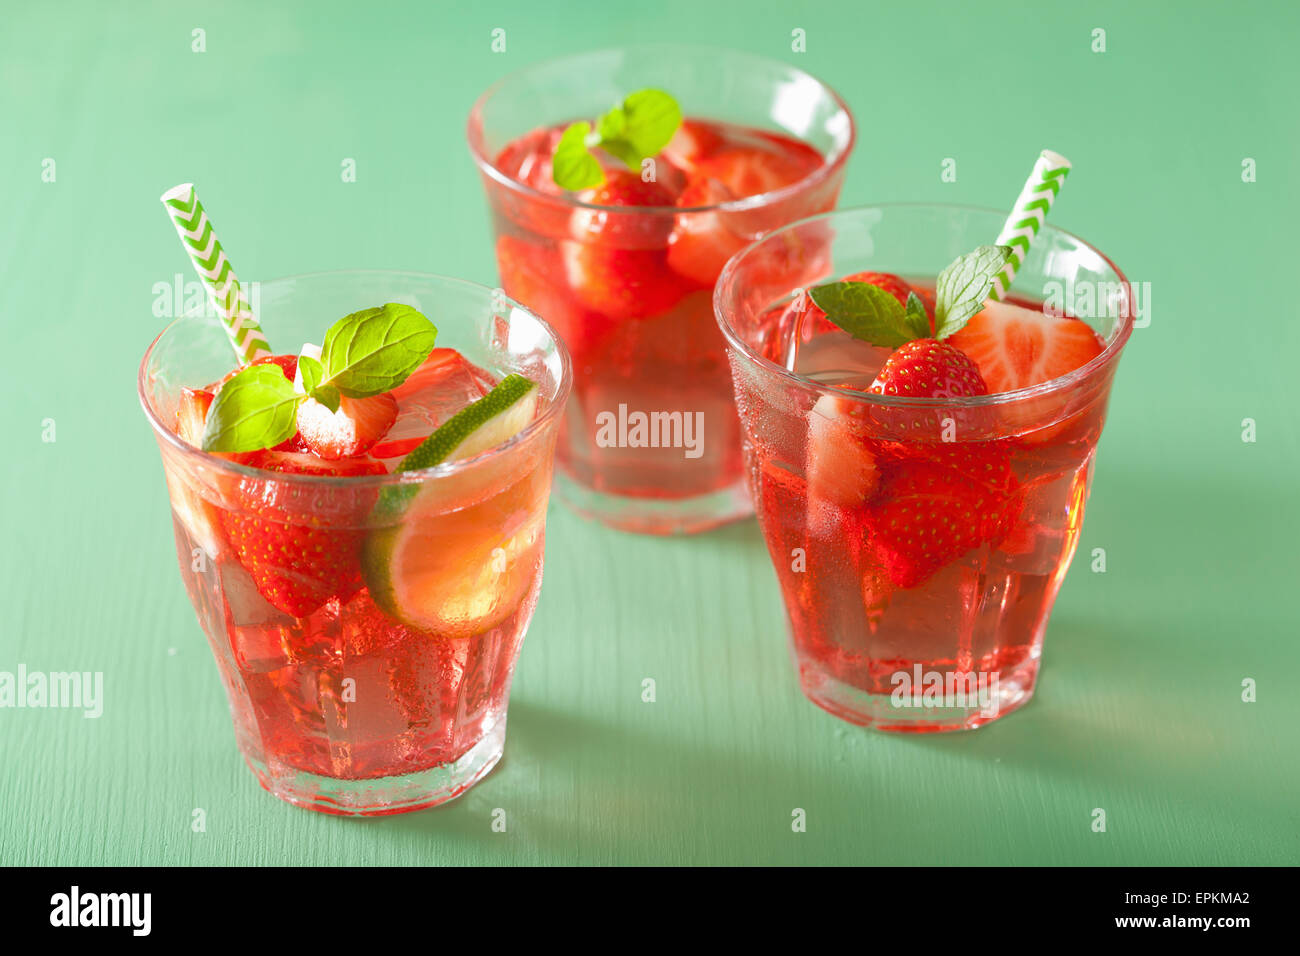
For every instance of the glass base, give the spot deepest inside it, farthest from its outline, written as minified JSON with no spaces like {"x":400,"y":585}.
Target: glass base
{"x":378,"y":796}
{"x":657,"y":515}
{"x":916,"y":714}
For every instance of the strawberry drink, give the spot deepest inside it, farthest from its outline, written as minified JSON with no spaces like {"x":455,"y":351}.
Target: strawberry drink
{"x":360,"y":526}
{"x":920,"y":455}
{"x":614,"y":212}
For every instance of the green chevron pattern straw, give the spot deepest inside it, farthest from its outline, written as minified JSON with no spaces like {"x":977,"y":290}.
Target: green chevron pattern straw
{"x":1027,"y":215}
{"x":200,"y":241}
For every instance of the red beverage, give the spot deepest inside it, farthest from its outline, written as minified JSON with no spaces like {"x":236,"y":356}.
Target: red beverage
{"x":365,"y":611}
{"x":919,"y":542}
{"x":625,"y":271}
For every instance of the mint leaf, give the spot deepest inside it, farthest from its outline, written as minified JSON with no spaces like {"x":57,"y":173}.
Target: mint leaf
{"x":963,"y":287}
{"x":612,"y":125}
{"x":634,"y":130}
{"x":865,"y":311}
{"x":573,"y":167}
{"x":312,"y":372}
{"x":918,"y":320}
{"x":374,"y":350}
{"x":258,"y":408}
{"x":651,"y":119}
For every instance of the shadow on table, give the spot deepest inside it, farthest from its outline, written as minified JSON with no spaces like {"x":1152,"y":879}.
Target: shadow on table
{"x":578,"y":790}
{"x":1116,"y":704}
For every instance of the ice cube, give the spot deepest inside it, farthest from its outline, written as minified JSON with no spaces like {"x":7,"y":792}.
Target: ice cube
{"x":438,"y":389}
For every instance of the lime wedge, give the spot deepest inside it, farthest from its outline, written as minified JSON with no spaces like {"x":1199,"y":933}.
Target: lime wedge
{"x":457,"y":555}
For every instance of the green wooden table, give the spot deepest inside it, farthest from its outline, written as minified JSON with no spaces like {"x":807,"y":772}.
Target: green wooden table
{"x":1139,"y":708}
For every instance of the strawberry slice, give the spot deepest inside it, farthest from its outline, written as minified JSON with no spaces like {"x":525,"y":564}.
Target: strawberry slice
{"x":701,"y":243}
{"x":300,"y":546}
{"x":532,"y":274}
{"x":841,"y":468}
{"x":750,"y":171}
{"x":625,"y":229}
{"x":1016,"y":347}
{"x":693,"y":142}
{"x":192,"y":414}
{"x":622,"y":283}
{"x":352,"y":430}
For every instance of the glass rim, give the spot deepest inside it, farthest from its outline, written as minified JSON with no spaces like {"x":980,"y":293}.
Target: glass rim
{"x":832,"y":162}
{"x":1108,"y":354}
{"x":415,"y":476}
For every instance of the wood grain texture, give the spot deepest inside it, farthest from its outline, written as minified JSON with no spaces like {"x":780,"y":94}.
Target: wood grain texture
{"x":1139,"y":706}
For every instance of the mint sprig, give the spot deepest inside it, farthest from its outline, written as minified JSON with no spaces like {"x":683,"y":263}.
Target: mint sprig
{"x":366,"y":353}
{"x":870,"y":313}
{"x":962,"y":287}
{"x":636,"y":129}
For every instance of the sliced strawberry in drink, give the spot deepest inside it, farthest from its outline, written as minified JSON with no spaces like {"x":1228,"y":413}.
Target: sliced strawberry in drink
{"x":195,"y":514}
{"x":750,"y":170}
{"x":352,"y":430}
{"x":1016,"y":347}
{"x":628,"y":230}
{"x":701,"y":243}
{"x":300,"y":545}
{"x":622,"y":283}
{"x":528,"y":159}
{"x":693,"y":142}
{"x":932,"y":511}
{"x":841,"y":468}
{"x":192,"y":414}
{"x":534,"y":275}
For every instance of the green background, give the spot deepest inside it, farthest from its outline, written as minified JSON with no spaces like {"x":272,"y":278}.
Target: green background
{"x":1139,"y":706}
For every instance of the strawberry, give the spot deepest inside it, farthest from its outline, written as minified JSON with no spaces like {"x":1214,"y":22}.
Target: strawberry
{"x":928,"y":368}
{"x":941,"y":502}
{"x":357,"y":425}
{"x":701,"y":243}
{"x":750,"y":171}
{"x":1015,"y":347}
{"x":528,"y":159}
{"x":531,"y":274}
{"x":300,"y":544}
{"x":625,"y":229}
{"x":192,"y":414}
{"x":693,"y":142}
{"x":841,"y":468}
{"x":621,"y":283}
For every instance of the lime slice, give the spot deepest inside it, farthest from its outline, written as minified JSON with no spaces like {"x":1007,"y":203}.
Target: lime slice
{"x":458,"y":554}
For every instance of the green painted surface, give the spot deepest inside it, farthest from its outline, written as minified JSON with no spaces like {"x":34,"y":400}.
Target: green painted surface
{"x":1139,"y":707}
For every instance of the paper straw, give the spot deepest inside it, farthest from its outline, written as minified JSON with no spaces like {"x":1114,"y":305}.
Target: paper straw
{"x":200,"y":241}
{"x":1027,"y":215}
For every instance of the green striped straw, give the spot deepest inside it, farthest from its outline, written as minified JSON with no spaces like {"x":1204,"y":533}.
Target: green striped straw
{"x":1027,"y":215}
{"x":200,"y":241}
